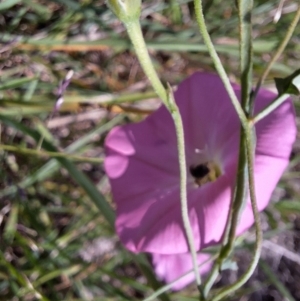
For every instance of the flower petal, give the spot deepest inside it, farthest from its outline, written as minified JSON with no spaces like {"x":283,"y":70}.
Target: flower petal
{"x":143,"y":167}
{"x":275,"y":135}
{"x":171,"y":267}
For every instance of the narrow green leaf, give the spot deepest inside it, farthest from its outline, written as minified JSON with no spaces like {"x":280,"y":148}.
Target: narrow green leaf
{"x":11,"y":225}
{"x":14,"y":83}
{"x":6,"y":4}
{"x":52,"y":166}
{"x":42,"y":10}
{"x":30,"y":90}
{"x":98,"y":199}
{"x":70,"y":271}
{"x":291,"y":206}
{"x":276,"y":281}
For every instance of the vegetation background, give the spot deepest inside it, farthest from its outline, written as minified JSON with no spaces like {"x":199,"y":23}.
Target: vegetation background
{"x":55,"y":241}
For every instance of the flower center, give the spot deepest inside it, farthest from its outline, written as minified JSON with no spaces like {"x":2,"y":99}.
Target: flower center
{"x":205,"y":172}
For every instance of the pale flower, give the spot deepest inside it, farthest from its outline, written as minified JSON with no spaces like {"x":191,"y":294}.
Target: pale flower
{"x":142,"y":166}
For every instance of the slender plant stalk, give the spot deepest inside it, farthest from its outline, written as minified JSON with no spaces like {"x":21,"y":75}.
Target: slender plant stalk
{"x":217,"y":62}
{"x":136,"y":36}
{"x":134,"y":31}
{"x":259,"y":237}
{"x":42,"y":153}
{"x":240,"y":195}
{"x":245,"y":32}
{"x":277,"y":54}
{"x":229,"y":236}
{"x":270,"y":108}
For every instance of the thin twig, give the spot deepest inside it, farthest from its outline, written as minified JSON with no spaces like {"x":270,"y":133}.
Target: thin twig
{"x":259,"y":237}
{"x":277,"y":54}
{"x":46,"y":154}
{"x":135,"y":33}
{"x":217,"y":62}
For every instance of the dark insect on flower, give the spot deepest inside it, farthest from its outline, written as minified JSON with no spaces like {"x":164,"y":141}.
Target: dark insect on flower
{"x":205,"y":172}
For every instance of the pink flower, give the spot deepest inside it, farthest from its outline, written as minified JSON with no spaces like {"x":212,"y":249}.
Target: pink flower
{"x":142,"y":166}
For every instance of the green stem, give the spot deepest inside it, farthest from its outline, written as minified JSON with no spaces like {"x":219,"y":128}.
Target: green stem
{"x":233,"y":218}
{"x":239,"y":199}
{"x":277,"y":54}
{"x":258,"y":243}
{"x":136,"y":36}
{"x":245,"y":30}
{"x":183,"y":179}
{"x":240,"y":195}
{"x":270,"y":108}
{"x":217,"y":62}
{"x":42,"y":153}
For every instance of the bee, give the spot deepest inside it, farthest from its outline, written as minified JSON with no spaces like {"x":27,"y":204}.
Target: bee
{"x":205,"y":172}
